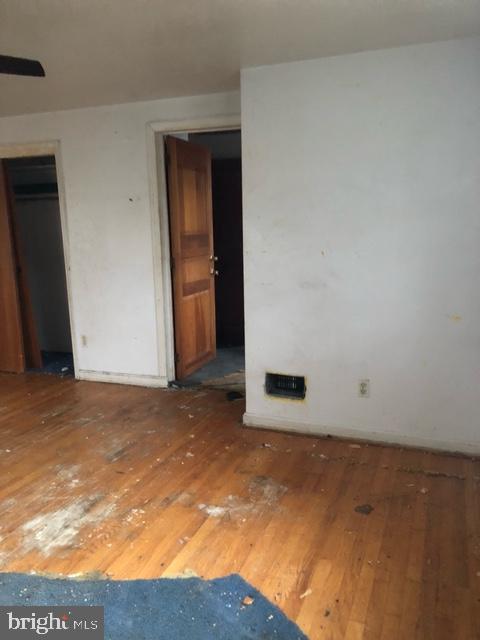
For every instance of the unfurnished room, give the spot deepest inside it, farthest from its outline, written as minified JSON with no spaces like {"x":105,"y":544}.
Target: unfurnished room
{"x":240,"y":319}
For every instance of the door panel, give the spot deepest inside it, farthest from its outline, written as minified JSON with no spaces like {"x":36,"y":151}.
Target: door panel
{"x":191,"y":237}
{"x":12,"y":356}
{"x":32,"y":353}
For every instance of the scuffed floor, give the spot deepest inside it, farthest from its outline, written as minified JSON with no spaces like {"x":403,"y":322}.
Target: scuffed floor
{"x":349,"y":540}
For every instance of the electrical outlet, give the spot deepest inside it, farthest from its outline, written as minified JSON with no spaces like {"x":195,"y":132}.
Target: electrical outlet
{"x":364,"y":388}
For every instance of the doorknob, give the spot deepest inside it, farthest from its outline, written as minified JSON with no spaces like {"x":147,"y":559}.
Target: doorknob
{"x":214,"y":258}
{"x":213,"y":271}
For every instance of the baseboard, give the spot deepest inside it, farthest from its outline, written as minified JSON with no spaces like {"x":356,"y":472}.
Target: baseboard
{"x":122,"y":378}
{"x":379,"y":437}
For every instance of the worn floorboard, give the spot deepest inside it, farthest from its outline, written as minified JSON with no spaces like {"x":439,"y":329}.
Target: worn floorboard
{"x":140,"y":483}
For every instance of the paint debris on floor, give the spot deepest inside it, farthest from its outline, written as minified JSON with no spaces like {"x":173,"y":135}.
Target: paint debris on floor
{"x":133,"y":482}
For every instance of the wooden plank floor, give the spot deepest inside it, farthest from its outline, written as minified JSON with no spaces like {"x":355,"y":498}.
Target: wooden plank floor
{"x":140,"y":483}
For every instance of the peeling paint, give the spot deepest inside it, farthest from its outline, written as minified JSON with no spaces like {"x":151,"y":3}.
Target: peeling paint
{"x":264,"y":492}
{"x":50,"y":531}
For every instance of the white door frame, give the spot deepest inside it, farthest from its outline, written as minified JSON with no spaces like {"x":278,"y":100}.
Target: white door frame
{"x":51,"y":148}
{"x":160,"y":225}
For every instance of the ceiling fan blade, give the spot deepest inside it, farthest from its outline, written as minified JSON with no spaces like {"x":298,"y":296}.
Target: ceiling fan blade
{"x":21,"y":66}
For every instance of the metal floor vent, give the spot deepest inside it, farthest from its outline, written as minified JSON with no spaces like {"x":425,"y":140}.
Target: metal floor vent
{"x":277,"y":384}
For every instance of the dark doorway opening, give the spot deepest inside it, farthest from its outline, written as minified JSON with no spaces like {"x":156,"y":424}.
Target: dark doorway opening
{"x":38,"y":247}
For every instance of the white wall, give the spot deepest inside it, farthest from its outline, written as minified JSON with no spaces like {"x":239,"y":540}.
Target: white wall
{"x":107,"y":182}
{"x":362,"y":235}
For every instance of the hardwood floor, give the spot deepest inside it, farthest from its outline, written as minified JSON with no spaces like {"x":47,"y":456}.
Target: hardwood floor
{"x":139,"y":483}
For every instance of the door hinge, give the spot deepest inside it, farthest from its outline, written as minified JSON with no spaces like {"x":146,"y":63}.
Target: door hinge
{"x":172,"y":264}
{"x":177,"y":357}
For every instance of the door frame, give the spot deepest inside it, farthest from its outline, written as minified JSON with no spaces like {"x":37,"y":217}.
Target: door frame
{"x":156,"y":132}
{"x":51,"y":148}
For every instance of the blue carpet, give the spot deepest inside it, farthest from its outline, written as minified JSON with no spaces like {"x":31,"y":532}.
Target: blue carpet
{"x":56,"y":363}
{"x":163,"y":609}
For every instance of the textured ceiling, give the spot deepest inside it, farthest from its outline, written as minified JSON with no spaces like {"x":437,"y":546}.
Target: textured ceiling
{"x":110,"y":51}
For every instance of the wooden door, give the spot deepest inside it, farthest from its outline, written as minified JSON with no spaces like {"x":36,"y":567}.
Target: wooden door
{"x":12,"y":355}
{"x":193,"y":266}
{"x":16,"y":312}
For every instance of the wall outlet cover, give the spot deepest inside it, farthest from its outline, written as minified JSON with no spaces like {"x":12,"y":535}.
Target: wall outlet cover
{"x":364,"y":388}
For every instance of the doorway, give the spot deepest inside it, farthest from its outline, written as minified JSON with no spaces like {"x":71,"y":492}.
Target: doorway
{"x":33,"y":269}
{"x":204,"y":182}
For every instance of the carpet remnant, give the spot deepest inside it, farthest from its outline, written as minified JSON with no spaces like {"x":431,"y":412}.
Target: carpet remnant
{"x":230,"y":382}
{"x":171,"y":609}
{"x":56,"y":363}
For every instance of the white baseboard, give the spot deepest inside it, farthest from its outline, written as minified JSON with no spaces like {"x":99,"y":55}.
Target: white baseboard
{"x":122,"y":378}
{"x":385,"y":437}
